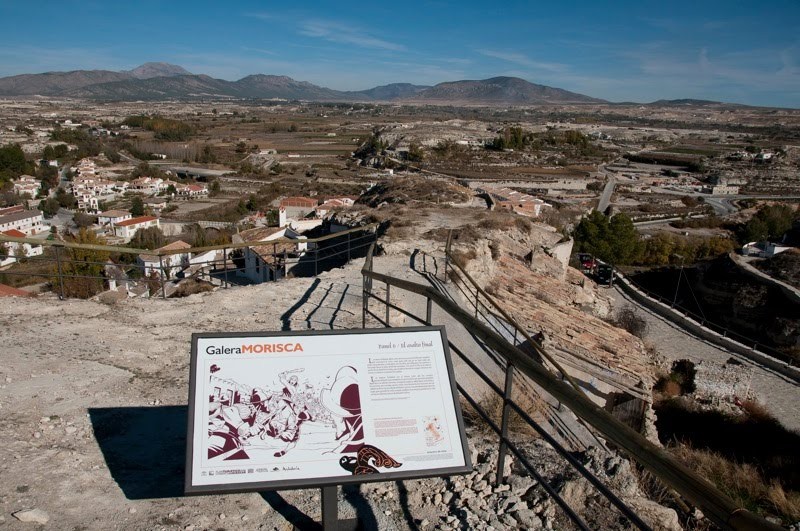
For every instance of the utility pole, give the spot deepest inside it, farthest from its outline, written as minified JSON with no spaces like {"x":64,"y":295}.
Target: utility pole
{"x":678,"y":285}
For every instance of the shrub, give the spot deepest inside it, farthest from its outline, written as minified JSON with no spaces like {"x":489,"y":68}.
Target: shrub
{"x":629,"y":319}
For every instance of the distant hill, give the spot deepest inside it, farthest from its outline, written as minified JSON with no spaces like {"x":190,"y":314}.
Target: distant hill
{"x":156,"y":88}
{"x":64,"y":83}
{"x":148,"y":70}
{"x":394,"y":91}
{"x":264,"y":86}
{"x":158,"y":81}
{"x":56,"y":83}
{"x":501,"y":90}
{"x":688,"y":102}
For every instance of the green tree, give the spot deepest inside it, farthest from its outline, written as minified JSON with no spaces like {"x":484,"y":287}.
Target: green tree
{"x":149,"y":238}
{"x":415,"y":153}
{"x":49,"y":176}
{"x":49,"y":207}
{"x":614,"y":241}
{"x":195,"y":235}
{"x":137,"y":206}
{"x":83,"y":220}
{"x":215,"y":188}
{"x":624,"y":240}
{"x":755,"y":230}
{"x":12,"y":162}
{"x":66,"y":200}
{"x":112,"y":155}
{"x":83,"y":270}
{"x":769,"y":223}
{"x":207,"y":155}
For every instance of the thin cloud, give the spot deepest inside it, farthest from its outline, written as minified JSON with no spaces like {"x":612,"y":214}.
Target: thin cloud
{"x":520,"y":59}
{"x":344,"y":34}
{"x":261,"y":16}
{"x":259,"y":50}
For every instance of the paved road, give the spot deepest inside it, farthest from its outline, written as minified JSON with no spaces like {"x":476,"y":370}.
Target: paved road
{"x":780,"y":395}
{"x":605,"y":198}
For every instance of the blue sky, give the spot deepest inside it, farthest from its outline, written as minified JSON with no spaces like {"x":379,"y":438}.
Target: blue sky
{"x":737,"y":51}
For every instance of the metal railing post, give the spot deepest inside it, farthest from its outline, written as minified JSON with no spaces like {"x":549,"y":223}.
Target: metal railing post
{"x":428,"y":311}
{"x":364,"y":301}
{"x":388,"y":299}
{"x":161,"y":273}
{"x":316,"y":257}
{"x":330,"y":509}
{"x":225,"y":265}
{"x":60,"y":274}
{"x":447,"y":254}
{"x":501,"y":455}
{"x":477,"y":301}
{"x":348,"y":246}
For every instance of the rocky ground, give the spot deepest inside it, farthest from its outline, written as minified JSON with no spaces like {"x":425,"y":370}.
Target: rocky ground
{"x":93,"y":424}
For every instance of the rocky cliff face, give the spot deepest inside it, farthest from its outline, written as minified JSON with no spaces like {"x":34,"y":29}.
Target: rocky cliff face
{"x":515,"y":267}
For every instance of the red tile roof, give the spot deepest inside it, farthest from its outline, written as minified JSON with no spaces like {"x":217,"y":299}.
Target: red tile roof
{"x":135,"y":221}
{"x":8,"y":291}
{"x":14,"y":233}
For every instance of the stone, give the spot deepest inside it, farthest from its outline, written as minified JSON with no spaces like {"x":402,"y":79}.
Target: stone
{"x":528,"y":519}
{"x":659,"y":517}
{"x":37,"y":516}
{"x":447,"y":497}
{"x":508,"y":521}
{"x":70,"y":430}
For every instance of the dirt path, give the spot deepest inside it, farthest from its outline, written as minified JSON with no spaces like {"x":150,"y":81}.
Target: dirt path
{"x":780,"y":395}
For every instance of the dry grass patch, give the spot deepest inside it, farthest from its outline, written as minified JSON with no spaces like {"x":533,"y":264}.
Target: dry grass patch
{"x":743,"y":482}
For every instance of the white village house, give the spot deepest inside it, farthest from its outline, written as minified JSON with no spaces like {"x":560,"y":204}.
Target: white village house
{"x":110,"y":217}
{"x":263,"y":263}
{"x":172,"y":263}
{"x":127,"y":228}
{"x":31,"y":222}
{"x":12,"y":251}
{"x":27,"y":184}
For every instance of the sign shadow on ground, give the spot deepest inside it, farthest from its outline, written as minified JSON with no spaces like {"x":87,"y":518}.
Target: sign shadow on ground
{"x":144,"y":448}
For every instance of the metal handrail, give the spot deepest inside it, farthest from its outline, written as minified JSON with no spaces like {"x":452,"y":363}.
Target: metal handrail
{"x":714,"y":504}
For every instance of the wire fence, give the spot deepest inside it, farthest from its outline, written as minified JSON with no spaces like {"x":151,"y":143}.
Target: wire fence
{"x":703,"y":321}
{"x":516,"y":363}
{"x":74,"y":270}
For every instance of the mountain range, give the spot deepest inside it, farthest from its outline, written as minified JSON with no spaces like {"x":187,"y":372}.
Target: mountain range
{"x":162,"y":81}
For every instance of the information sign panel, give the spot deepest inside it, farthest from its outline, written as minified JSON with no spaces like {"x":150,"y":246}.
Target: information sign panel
{"x":275,"y":410}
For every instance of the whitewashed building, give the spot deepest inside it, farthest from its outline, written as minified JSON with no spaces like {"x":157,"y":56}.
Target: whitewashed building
{"x":110,"y":217}
{"x":27,"y":184}
{"x":172,"y":263}
{"x":13,"y":251}
{"x":126,"y":229}
{"x":31,"y":222}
